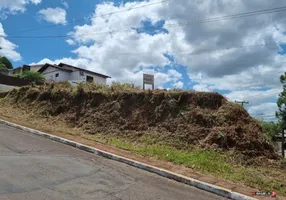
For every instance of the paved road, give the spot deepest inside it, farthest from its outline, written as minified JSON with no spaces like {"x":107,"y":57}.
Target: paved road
{"x":34,"y":168}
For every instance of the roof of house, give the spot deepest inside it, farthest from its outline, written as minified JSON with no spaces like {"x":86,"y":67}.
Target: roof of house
{"x":77,"y":68}
{"x":69,"y":68}
{"x":45,"y":66}
{"x":40,"y":65}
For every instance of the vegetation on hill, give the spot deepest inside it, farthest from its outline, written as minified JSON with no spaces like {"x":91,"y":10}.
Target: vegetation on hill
{"x":31,"y":76}
{"x":271,"y":129}
{"x":200,"y":130}
{"x":4,"y":62}
{"x":281,"y":103}
{"x":179,"y":118}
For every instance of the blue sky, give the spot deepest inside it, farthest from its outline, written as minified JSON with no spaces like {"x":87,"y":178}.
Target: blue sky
{"x":32,"y":20}
{"x":151,"y":39}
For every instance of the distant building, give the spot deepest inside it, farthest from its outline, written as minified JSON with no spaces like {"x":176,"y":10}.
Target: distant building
{"x":19,"y":70}
{"x":64,"y":72}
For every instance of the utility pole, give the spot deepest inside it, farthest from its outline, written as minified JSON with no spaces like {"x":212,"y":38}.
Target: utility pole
{"x":242,"y":102}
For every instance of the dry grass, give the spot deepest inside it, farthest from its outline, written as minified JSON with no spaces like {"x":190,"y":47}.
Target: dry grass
{"x":50,"y":107}
{"x":207,"y":162}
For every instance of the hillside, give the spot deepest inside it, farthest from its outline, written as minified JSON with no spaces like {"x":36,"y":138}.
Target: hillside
{"x":179,"y":119}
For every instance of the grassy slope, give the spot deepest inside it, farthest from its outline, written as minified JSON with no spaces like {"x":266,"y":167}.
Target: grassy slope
{"x":213,"y":162}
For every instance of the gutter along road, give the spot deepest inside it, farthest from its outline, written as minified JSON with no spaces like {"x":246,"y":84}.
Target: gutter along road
{"x":34,"y":168}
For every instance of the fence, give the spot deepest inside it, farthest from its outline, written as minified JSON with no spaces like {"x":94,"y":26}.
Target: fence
{"x":13,"y":81}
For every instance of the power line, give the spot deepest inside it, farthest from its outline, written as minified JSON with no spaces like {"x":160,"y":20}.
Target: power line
{"x":204,"y":50}
{"x":82,"y":19}
{"x":208,"y":20}
{"x":195,"y":53}
{"x":263,"y":115}
{"x":234,"y":16}
{"x":272,"y":93}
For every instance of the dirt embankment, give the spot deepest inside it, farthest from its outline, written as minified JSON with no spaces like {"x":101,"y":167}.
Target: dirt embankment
{"x":178,"y":118}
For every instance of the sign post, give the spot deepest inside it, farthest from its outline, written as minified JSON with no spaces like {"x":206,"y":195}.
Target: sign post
{"x":149,"y":80}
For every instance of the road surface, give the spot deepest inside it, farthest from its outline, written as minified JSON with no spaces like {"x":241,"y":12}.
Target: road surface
{"x":35,"y":168}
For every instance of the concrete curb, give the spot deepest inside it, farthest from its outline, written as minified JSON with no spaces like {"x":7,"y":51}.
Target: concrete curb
{"x":167,"y":174}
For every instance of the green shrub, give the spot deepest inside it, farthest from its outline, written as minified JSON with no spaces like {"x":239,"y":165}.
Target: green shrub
{"x":32,"y":76}
{"x":271,"y":129}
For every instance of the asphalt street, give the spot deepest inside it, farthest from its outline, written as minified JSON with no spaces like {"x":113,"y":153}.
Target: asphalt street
{"x":35,"y":168}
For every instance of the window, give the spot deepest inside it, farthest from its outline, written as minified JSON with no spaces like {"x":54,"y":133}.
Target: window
{"x":89,"y":79}
{"x":57,"y":75}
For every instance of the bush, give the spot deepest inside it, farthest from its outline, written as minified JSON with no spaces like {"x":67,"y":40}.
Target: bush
{"x":271,"y":129}
{"x":32,"y":76}
{"x":118,"y":86}
{"x":6,"y":63}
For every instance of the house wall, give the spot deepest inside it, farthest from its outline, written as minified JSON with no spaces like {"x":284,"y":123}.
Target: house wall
{"x":17,"y":70}
{"x":76,"y":77}
{"x":73,"y":77}
{"x":100,"y":80}
{"x":50,"y":74}
{"x":35,"y":68}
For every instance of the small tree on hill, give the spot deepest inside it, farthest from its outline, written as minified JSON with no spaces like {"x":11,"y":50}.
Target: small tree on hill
{"x":5,"y":62}
{"x":281,"y":103}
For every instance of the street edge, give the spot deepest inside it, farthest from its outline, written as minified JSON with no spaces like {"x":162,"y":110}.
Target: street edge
{"x":162,"y":172}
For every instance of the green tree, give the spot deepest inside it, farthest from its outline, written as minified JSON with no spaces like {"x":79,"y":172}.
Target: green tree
{"x":3,"y":69}
{"x":270,"y":129}
{"x":4,"y":61}
{"x":281,"y":103}
{"x":31,"y":76}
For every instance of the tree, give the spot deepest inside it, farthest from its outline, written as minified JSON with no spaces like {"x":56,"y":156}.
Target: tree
{"x":31,"y":76}
{"x":3,"y":69}
{"x":270,"y":129}
{"x":4,"y":61}
{"x":281,"y":103}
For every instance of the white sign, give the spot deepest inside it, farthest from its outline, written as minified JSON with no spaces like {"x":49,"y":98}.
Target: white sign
{"x":149,"y":80}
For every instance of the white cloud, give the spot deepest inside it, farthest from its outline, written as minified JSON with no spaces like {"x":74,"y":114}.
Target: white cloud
{"x":201,"y":87}
{"x":54,"y":15}
{"x":265,"y":111}
{"x":254,"y":96}
{"x":215,"y":54}
{"x":70,"y":42}
{"x":260,"y":104}
{"x":178,"y":85}
{"x":65,"y":4}
{"x":36,"y":1}
{"x":8,"y":49}
{"x":174,"y":74}
{"x":14,"y":6}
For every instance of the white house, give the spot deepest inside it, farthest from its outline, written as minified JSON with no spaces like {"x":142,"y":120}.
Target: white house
{"x":72,"y":74}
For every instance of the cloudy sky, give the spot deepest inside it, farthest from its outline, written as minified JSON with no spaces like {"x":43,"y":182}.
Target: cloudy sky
{"x":186,"y":44}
